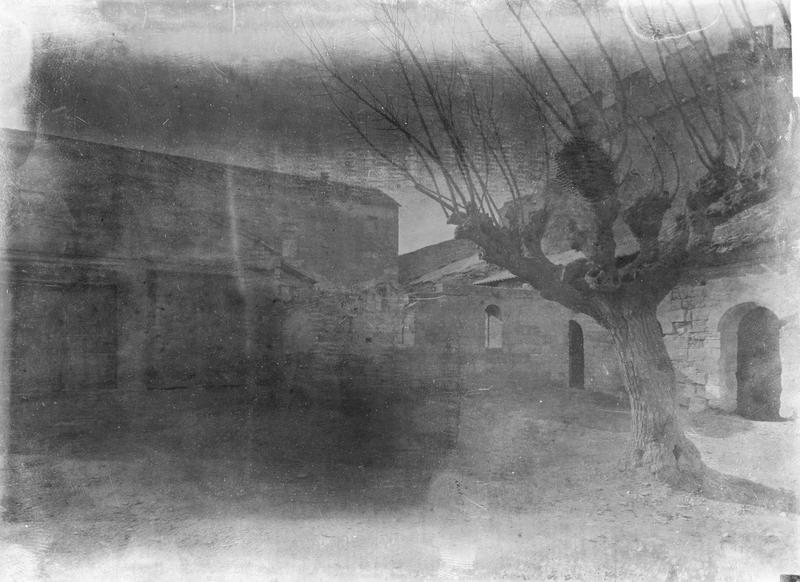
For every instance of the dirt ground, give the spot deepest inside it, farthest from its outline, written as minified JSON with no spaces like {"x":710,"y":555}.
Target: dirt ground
{"x":530,"y":491}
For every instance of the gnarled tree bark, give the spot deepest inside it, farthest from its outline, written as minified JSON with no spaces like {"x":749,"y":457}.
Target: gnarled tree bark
{"x":657,"y":439}
{"x":658,"y":444}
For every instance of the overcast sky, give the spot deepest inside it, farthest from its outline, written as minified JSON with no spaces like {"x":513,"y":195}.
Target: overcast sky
{"x":231,"y":81}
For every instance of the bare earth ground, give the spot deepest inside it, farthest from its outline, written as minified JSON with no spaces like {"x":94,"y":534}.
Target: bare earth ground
{"x":529,"y":492}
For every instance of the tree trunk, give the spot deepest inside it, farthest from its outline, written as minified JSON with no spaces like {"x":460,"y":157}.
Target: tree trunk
{"x":658,"y":443}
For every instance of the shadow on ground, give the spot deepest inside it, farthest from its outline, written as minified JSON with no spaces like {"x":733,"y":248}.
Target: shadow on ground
{"x":525,"y":488}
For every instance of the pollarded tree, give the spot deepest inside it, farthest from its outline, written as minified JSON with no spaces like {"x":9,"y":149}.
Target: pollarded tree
{"x":615,"y":133}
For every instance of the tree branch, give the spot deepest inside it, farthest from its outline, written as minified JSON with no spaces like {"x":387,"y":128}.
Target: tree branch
{"x":501,"y":246}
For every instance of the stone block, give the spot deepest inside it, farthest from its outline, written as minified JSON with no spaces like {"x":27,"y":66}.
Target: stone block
{"x":697,"y":403}
{"x":681,"y":327}
{"x":696,"y":355}
{"x":695,"y":375}
{"x":712,"y":390}
{"x":695,"y":340}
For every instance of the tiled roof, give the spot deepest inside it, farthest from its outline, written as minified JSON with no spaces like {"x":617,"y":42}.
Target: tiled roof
{"x":417,"y":263}
{"x":472,"y":265}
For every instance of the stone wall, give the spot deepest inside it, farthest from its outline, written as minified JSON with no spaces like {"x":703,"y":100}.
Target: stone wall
{"x":134,"y":274}
{"x":86,"y":199}
{"x":344,"y":352}
{"x":92,"y":342}
{"x":535,"y":345}
{"x":700,"y":319}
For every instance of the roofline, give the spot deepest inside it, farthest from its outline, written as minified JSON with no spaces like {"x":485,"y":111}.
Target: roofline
{"x":387,"y":200}
{"x":296,"y":273}
{"x":445,"y":242}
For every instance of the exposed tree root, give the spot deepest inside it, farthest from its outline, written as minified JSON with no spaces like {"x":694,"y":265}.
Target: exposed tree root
{"x":699,"y":479}
{"x":712,"y":484}
{"x":677,"y":462}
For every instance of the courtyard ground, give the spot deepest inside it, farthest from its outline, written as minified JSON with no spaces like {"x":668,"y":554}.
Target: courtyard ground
{"x":529,"y":490}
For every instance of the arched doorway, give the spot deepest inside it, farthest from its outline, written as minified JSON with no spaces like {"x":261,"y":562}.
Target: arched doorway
{"x":576,"y":364}
{"x":758,"y":365}
{"x":493,"y":337}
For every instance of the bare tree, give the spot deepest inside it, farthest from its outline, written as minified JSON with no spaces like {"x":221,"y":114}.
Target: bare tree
{"x":617,"y":134}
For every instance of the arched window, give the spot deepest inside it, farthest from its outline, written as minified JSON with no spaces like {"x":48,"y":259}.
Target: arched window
{"x":494,"y":327}
{"x":407,"y":330}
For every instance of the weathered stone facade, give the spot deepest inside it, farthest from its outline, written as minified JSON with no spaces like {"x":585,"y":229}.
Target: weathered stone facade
{"x":750,"y":268}
{"x":96,"y":200}
{"x":700,"y":320}
{"x":148,"y":286}
{"x":344,"y":352}
{"x":533,"y":351}
{"x":454,"y":306}
{"x":142,"y":282}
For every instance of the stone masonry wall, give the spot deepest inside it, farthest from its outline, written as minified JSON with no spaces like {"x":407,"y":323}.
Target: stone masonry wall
{"x":94,"y":346}
{"x":700,"y":319}
{"x":86,"y":199}
{"x":344,"y":351}
{"x":535,"y":347}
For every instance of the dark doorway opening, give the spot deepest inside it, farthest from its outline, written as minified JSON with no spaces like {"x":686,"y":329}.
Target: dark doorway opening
{"x":758,"y":366}
{"x":576,"y":365}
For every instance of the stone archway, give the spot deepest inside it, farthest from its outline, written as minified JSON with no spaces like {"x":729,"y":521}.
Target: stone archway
{"x":750,"y":361}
